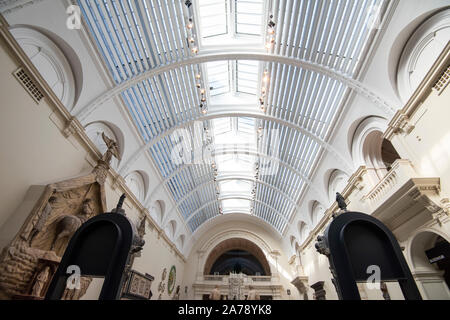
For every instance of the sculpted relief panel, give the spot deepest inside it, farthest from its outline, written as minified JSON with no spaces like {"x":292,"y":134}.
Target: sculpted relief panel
{"x":28,"y":263}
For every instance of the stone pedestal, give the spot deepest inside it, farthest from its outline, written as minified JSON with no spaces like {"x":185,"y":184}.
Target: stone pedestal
{"x":319,"y":291}
{"x":301,"y":283}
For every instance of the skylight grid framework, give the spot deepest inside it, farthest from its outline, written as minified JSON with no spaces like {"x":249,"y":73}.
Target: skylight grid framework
{"x":213,"y":17}
{"x":247,"y":76}
{"x":248,"y":15}
{"x":333,"y":33}
{"x":136,"y":36}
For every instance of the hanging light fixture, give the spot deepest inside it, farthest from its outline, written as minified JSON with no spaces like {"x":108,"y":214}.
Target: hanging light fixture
{"x":190,"y":24}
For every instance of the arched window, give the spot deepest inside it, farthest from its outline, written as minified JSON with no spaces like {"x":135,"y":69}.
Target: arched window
{"x":421,"y":51}
{"x":135,"y":182}
{"x":171,"y":228}
{"x":302,"y":231}
{"x":371,"y":150}
{"x":317,"y":212}
{"x":94,"y":132}
{"x":180,"y":241}
{"x":50,"y":61}
{"x":158,"y":210}
{"x":337,"y":182}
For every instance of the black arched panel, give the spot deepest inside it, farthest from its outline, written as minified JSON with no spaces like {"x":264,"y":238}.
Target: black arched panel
{"x":100,"y":248}
{"x":355,"y":241}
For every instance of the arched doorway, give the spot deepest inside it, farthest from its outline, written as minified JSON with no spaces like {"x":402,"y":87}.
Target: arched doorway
{"x":237,"y":250}
{"x":430,"y":259}
{"x":235,"y":265}
{"x":237,"y":261}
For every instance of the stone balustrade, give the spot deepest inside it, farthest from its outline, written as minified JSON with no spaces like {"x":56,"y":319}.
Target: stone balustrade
{"x":402,"y":170}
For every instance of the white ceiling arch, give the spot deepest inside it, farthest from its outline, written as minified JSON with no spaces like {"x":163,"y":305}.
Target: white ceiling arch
{"x":360,"y":88}
{"x":347,"y":165}
{"x":282,"y":163}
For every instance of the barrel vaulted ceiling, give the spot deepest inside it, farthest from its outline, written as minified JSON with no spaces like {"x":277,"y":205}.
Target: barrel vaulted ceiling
{"x":264,"y":100}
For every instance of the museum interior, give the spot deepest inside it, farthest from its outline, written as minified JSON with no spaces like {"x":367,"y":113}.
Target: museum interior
{"x":186,"y":146}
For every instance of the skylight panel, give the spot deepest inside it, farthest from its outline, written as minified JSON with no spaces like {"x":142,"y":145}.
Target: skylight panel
{"x":247,"y":76}
{"x":218,"y":77}
{"x":236,"y":204}
{"x":248,"y":16}
{"x":235,"y":186}
{"x":221,"y":125}
{"x":213,"y":18}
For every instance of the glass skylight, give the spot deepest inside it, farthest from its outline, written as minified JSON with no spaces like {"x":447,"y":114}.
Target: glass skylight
{"x":235,"y":186}
{"x":233,"y":205}
{"x":248,"y":16}
{"x":218,"y":77}
{"x":235,"y":139}
{"x":247,"y":76}
{"x":213,"y":17}
{"x":134,"y":37}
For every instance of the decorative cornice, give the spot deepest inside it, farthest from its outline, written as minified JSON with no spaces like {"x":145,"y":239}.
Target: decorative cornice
{"x":436,"y":79}
{"x":443,"y":82}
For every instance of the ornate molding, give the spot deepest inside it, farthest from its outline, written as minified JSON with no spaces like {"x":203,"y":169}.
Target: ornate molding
{"x":400,"y":124}
{"x":443,"y":81}
{"x":9,"y":6}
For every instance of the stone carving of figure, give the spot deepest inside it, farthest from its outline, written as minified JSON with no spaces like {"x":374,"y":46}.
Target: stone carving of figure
{"x":341,"y":201}
{"x":40,"y":282}
{"x":252,"y":294}
{"x":385,"y":291}
{"x":38,"y":222}
{"x":215,"y":294}
{"x":113,"y":149}
{"x":176,"y":296}
{"x":66,"y":225}
{"x":77,"y":293}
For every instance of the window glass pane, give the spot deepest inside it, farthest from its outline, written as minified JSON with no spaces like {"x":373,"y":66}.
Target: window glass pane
{"x":213,"y":18}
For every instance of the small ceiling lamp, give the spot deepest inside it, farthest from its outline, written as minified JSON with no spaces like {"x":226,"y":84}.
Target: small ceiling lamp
{"x":190,"y":24}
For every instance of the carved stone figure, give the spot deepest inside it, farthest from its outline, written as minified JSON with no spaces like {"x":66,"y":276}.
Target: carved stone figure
{"x":215,"y":294}
{"x":76,"y":294}
{"x":341,"y":201}
{"x":38,"y":222}
{"x":113,"y":149}
{"x":252,"y":294}
{"x":41,"y":281}
{"x":16,"y":269}
{"x":66,"y":225}
{"x":60,"y":210}
{"x":384,"y":290}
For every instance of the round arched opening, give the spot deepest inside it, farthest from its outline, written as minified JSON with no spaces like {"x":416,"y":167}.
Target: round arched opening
{"x":237,"y":261}
{"x":388,"y":154}
{"x":239,"y":256}
{"x":430,"y":257}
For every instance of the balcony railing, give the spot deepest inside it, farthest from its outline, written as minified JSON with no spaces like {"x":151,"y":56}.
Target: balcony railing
{"x":247,"y":279}
{"x":401,"y":172}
